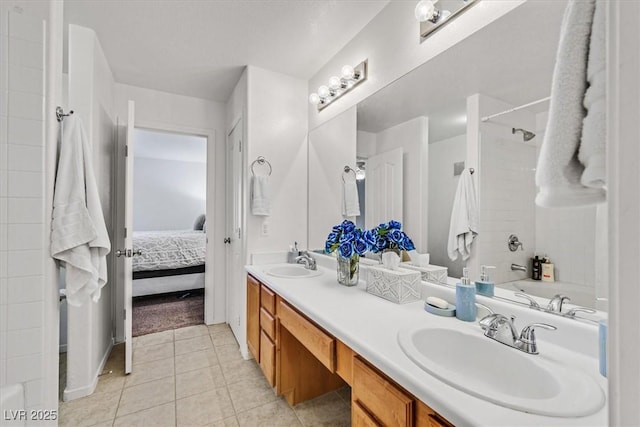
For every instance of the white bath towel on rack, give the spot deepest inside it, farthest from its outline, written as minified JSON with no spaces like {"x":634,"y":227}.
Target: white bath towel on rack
{"x":464,"y":218}
{"x":79,"y":238}
{"x":575,"y":134}
{"x":350,"y":202}
{"x":260,"y":196}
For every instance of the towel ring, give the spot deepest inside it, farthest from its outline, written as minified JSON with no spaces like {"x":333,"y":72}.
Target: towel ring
{"x":261,"y":161}
{"x":346,"y":170}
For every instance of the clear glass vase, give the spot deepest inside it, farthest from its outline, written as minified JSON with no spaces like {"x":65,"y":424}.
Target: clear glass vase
{"x":348,"y":270}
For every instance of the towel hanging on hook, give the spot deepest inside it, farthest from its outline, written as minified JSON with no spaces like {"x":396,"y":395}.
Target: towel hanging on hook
{"x":346,"y":170}
{"x":261,"y":161}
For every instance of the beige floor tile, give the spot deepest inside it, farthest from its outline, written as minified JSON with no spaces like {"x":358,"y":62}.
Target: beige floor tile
{"x":199,"y":381}
{"x":224,"y":338}
{"x":272,"y":414}
{"x":104,"y":424}
{"x":249,"y":394}
{"x":326,"y":410}
{"x":190,"y":345}
{"x":147,"y":395}
{"x":150,"y":371}
{"x":218,"y":328}
{"x":241,"y":370}
{"x":228,"y":353}
{"x":227,"y":422}
{"x":204,"y":408}
{"x":196,"y":360}
{"x":113,"y":381}
{"x":153,"y":339}
{"x":152,"y":352}
{"x":115,"y":362}
{"x":190,"y":332}
{"x":86,"y":411}
{"x":160,"y":416}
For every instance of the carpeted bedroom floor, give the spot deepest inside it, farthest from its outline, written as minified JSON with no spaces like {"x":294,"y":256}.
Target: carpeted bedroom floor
{"x":157,"y":313}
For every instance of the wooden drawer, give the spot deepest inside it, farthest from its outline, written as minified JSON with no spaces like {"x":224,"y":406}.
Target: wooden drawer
{"x":427,"y":417}
{"x":361,"y":418}
{"x":344,"y":362}
{"x":321,"y":345}
{"x":268,"y":358}
{"x":268,"y":300}
{"x":268,"y":323}
{"x":380,"y":397}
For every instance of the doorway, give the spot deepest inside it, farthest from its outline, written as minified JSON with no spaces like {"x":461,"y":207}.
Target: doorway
{"x":169,"y":230}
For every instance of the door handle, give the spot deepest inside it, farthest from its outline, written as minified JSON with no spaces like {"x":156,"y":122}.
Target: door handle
{"x":128,"y":253}
{"x":227,"y":240}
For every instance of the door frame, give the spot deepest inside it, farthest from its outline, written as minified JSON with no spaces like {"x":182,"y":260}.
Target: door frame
{"x":214,"y":308}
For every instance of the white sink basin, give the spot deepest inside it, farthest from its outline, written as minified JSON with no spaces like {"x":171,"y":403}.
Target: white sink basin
{"x":505,"y":376}
{"x":292,"y":271}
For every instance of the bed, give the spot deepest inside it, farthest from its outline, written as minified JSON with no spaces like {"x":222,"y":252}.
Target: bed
{"x":171,"y":261}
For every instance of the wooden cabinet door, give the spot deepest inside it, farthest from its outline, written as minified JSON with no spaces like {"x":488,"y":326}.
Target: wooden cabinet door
{"x":268,"y":358}
{"x":253,"y":317}
{"x":361,"y":418}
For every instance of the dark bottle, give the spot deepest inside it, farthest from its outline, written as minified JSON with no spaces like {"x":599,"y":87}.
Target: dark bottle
{"x":536,"y":270}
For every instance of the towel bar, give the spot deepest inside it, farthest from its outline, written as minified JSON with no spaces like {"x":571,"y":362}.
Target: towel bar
{"x":261,"y":161}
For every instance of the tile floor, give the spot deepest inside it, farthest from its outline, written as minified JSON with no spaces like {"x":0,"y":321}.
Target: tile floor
{"x":194,"y":376}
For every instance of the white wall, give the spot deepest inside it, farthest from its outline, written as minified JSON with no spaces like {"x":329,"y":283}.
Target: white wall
{"x":168,"y":194}
{"x":90,"y":327}
{"x":413,"y":137}
{"x":442,"y":189}
{"x":331,"y":147}
{"x":184,"y":114}
{"x":391,"y":42}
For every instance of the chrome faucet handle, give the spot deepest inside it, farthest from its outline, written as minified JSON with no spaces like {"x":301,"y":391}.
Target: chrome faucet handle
{"x":573,"y":311}
{"x":528,"y":337}
{"x":555,"y":304}
{"x":500,"y":328}
{"x":486,"y":322}
{"x":532,"y":302}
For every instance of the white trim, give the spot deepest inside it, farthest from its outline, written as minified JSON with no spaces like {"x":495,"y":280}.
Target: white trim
{"x":88,"y":389}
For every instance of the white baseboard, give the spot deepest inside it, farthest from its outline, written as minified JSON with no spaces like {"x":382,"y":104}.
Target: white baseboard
{"x":91,"y":387}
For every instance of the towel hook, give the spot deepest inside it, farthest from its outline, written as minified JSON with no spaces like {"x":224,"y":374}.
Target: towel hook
{"x":346,"y":170}
{"x":261,"y":161}
{"x":60,"y":115}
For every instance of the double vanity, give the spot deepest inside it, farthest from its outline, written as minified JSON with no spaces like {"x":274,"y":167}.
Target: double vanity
{"x":405,"y":366}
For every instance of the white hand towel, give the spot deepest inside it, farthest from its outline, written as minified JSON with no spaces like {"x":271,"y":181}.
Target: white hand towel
{"x":464,"y":218}
{"x":260,"y":196}
{"x":79,"y":238}
{"x":350,"y":203}
{"x":559,"y":169}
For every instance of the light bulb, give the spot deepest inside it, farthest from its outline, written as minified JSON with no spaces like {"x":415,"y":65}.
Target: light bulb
{"x":335,"y":83}
{"x":314,"y":98}
{"x":323,"y":92}
{"x":425,"y":10}
{"x":347,"y":72}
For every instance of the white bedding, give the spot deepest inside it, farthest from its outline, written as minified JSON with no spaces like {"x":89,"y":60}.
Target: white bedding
{"x":164,"y":250}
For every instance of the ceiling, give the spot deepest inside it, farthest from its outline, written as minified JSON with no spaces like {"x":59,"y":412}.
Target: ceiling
{"x":199,"y":48}
{"x":512,"y":60}
{"x":151,"y":144}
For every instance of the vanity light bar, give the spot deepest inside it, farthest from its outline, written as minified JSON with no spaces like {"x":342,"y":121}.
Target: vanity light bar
{"x":338,"y":86}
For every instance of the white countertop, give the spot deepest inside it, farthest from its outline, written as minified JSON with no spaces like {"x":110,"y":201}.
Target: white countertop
{"x":369,"y":325}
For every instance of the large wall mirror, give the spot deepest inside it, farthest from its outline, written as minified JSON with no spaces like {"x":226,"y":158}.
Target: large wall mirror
{"x":432,"y":117}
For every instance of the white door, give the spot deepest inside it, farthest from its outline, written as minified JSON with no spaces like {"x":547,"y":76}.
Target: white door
{"x":383,"y":189}
{"x":125,"y":250}
{"x":234,"y":231}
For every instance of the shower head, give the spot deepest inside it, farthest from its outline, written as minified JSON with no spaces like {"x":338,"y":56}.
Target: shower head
{"x":526,"y":135}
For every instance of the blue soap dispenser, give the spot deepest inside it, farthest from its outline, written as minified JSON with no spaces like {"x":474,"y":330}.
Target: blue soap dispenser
{"x":484,"y":286}
{"x":466,"y":309}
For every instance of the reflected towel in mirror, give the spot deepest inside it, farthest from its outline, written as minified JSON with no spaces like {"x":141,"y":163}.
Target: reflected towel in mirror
{"x":464,"y":218}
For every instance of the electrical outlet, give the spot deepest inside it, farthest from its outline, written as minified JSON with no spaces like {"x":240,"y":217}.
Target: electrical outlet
{"x":238,"y":320}
{"x":265,"y":228}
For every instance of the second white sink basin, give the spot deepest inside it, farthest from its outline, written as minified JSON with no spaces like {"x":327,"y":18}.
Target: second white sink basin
{"x":292,"y":271}
{"x":505,"y":376}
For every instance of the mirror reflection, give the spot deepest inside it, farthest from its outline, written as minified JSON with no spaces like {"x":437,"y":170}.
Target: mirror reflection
{"x":475,"y":108}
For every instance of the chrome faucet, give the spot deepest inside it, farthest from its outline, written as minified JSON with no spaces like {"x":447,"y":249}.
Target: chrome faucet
{"x":306,"y":259}
{"x":502,"y":329}
{"x":518,"y":267}
{"x":555,"y":305}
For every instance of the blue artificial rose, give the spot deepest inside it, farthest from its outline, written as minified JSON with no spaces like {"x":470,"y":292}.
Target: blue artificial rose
{"x":360,"y":246}
{"x":395,"y":236}
{"x":336,"y":229}
{"x":382,"y":227}
{"x":347,"y":237}
{"x":333,"y":237}
{"x":381,"y":244}
{"x":370,"y":237}
{"x":348,"y":226}
{"x":394,"y":225}
{"x":407,"y":244}
{"x":346,"y":250}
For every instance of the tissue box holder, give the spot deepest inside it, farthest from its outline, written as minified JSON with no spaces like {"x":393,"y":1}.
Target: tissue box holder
{"x":431,"y":273}
{"x":399,"y":286}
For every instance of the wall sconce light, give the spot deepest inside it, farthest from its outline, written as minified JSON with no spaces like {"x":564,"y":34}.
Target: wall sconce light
{"x":350,"y":77}
{"x":432,"y":18}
